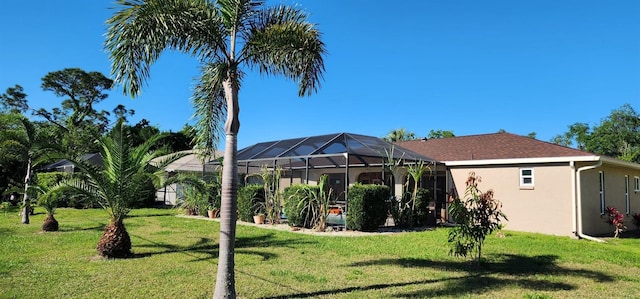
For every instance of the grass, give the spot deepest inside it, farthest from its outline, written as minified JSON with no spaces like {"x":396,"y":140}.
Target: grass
{"x":176,"y":258}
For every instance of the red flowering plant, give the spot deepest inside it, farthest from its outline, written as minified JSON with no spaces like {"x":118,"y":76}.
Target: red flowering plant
{"x":636,"y":220}
{"x":616,"y":219}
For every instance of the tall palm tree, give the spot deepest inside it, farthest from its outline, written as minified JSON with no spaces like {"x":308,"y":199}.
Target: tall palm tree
{"x":224,"y":35}
{"x":21,"y":140}
{"x":119,"y":183}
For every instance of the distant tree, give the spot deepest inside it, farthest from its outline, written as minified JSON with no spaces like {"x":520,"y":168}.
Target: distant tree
{"x":617,"y":136}
{"x":532,"y":135}
{"x":399,"y":135}
{"x":14,"y":100}
{"x":76,"y":124}
{"x":576,"y":136}
{"x":81,"y":92}
{"x":433,"y":134}
{"x":502,"y":131}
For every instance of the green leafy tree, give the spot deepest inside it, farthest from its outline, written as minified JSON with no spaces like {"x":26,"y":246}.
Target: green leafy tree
{"x":14,"y":100}
{"x":224,"y":35}
{"x":20,"y":140}
{"x":399,"y":135}
{"x":119,"y":183}
{"x":433,"y":134}
{"x":477,"y":216}
{"x":617,"y":135}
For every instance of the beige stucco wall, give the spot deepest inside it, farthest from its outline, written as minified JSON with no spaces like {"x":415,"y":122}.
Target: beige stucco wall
{"x":593,"y":222}
{"x":545,"y":208}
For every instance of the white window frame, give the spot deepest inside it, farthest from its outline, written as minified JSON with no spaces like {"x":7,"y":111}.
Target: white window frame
{"x":636,"y":186}
{"x":626,"y":194}
{"x":523,"y":177}
{"x":602,"y":199}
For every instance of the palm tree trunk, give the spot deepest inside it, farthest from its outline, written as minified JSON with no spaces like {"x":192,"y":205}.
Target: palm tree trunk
{"x":115,"y":241}
{"x":225,"y":279}
{"x":26,"y":209}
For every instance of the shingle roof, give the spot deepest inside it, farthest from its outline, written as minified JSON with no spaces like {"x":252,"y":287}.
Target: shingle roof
{"x":489,"y":146}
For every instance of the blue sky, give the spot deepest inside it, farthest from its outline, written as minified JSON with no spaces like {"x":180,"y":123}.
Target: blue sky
{"x":472,"y":67}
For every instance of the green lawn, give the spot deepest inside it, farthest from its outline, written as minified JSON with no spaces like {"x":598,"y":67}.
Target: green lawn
{"x":176,"y":258}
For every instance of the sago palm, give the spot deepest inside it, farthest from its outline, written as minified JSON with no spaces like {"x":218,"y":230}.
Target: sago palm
{"x":224,"y":35}
{"x":119,"y":183}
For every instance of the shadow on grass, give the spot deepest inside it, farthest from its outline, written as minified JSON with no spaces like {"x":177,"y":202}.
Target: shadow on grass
{"x":207,"y":247}
{"x":514,"y":270}
{"x":67,"y":228}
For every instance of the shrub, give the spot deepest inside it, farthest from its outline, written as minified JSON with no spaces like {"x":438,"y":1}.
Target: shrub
{"x":295,"y":200}
{"x":367,"y":208}
{"x":69,"y":197}
{"x":477,"y":216}
{"x":636,"y":220}
{"x":615,"y":219}
{"x":401,"y":209}
{"x":250,"y":197}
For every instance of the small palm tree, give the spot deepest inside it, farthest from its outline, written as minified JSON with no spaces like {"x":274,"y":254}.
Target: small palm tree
{"x":48,"y":199}
{"x":21,"y":139}
{"x":225,"y":35}
{"x":119,"y":183}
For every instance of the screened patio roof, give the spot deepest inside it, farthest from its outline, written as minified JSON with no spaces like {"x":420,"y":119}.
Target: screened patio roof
{"x":325,"y":151}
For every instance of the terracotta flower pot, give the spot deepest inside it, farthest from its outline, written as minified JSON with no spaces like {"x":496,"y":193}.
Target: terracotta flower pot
{"x":258,"y":219}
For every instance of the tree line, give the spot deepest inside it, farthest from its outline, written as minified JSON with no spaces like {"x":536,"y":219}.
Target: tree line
{"x":72,"y":127}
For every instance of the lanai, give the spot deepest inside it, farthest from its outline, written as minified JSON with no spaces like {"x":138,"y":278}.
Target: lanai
{"x":302,"y":158}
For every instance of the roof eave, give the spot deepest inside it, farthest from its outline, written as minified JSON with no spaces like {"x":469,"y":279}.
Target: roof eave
{"x":543,"y":160}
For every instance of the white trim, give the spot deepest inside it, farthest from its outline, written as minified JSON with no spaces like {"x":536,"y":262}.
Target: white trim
{"x":525,"y":161}
{"x":626,"y":195}
{"x":604,"y":159}
{"x":636,"y":183}
{"x":601,"y":193}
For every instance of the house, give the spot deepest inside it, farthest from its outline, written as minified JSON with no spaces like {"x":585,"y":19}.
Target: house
{"x":191,"y":162}
{"x":544,"y":187}
{"x":67,"y":166}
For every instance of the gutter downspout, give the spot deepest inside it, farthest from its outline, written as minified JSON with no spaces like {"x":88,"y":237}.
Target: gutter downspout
{"x":578,"y":199}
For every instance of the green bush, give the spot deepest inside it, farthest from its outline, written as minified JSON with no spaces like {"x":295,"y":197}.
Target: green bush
{"x":367,"y":208}
{"x":296,"y":205}
{"x":69,"y":197}
{"x":250,"y":198}
{"x":401,"y":210}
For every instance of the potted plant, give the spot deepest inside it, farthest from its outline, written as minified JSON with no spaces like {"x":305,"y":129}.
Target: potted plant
{"x":212,"y":211}
{"x":259,"y":213}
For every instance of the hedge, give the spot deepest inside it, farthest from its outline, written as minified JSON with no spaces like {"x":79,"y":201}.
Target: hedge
{"x":295,"y":202}
{"x":367,"y":207}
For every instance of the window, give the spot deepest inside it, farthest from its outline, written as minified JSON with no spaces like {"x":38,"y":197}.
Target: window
{"x":601,"y":192}
{"x":526,"y":177}
{"x":626,"y":194}
{"x":637,"y":184}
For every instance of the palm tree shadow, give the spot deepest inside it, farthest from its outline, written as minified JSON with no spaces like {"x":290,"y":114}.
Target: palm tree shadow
{"x":514,"y":269}
{"x":517,"y":270}
{"x":208,"y":248}
{"x":98,"y":227}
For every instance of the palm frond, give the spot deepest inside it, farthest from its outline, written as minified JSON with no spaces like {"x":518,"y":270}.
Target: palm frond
{"x":210,"y":105}
{"x":282,"y":42}
{"x":141,"y":30}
